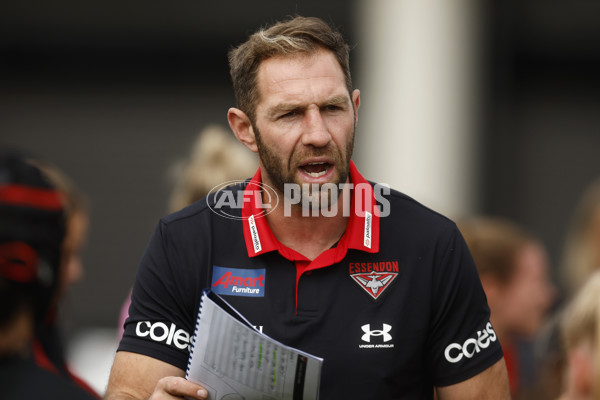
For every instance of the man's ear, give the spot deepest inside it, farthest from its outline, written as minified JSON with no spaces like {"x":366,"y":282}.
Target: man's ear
{"x":242,"y":128}
{"x":356,"y":103}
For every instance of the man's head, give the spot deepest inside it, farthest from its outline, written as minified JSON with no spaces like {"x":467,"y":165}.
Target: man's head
{"x":514,"y":272}
{"x":285,"y":38}
{"x":299,"y":114}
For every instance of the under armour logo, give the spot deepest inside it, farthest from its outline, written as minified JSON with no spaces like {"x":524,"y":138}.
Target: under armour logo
{"x":385,"y":332}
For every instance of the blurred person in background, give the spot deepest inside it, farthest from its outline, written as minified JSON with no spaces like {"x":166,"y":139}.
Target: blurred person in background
{"x":580,"y":333}
{"x":49,"y":347}
{"x":580,"y":261}
{"x":32,"y":261}
{"x":216,"y":157}
{"x":514,"y":272}
{"x":581,"y":254}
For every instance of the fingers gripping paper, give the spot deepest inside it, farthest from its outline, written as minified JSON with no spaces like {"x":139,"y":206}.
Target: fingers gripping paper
{"x":233,"y":360}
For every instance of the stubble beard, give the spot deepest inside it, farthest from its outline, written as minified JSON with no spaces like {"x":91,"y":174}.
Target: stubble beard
{"x":279,"y":175}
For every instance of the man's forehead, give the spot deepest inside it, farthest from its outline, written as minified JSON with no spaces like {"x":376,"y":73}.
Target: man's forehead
{"x":290,"y":65}
{"x":286,"y":78}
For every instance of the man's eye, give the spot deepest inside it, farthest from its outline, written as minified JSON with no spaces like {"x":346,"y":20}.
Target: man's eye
{"x":333,"y":108}
{"x":289,"y":114}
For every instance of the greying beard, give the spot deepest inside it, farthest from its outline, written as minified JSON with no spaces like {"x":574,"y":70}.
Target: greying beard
{"x":273,"y":168}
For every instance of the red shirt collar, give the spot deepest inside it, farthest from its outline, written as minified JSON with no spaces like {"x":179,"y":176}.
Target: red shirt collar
{"x":362,"y":231}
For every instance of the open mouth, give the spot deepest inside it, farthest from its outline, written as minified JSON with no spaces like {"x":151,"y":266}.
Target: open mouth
{"x":316,"y":169}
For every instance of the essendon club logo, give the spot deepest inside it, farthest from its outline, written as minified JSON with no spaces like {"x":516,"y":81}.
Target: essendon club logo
{"x":374,"y":283}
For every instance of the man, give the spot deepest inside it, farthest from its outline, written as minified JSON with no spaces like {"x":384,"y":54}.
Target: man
{"x":514,"y":272}
{"x":379,"y":286}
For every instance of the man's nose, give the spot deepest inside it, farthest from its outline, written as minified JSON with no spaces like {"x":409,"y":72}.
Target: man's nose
{"x":315,"y":129}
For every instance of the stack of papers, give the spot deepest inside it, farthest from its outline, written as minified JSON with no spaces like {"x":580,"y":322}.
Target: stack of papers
{"x":233,"y":360}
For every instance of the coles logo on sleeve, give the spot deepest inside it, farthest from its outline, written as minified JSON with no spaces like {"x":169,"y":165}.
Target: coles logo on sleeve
{"x":455,"y":352}
{"x":238,"y":282}
{"x":162,"y":333}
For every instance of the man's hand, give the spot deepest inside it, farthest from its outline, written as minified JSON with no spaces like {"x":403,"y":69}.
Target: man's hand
{"x":134,"y":376}
{"x":176,"y":387}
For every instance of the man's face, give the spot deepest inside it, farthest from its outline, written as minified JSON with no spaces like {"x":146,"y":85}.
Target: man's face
{"x":529,"y":294}
{"x":305,"y":120}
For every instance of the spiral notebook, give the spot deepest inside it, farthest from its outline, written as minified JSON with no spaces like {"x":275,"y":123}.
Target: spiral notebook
{"x":233,"y":360}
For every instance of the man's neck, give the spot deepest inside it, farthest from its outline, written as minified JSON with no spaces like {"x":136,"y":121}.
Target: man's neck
{"x":309,"y":235}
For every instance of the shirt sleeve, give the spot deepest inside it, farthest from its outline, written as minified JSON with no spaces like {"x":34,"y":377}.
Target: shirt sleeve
{"x":462,"y":341}
{"x":160,"y":324}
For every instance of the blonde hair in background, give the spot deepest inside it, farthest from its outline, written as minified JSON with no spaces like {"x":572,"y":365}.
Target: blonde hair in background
{"x":581,"y":254}
{"x":581,"y":324}
{"x":216,"y":157}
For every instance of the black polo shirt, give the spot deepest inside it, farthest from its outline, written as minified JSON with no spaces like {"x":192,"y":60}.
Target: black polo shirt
{"x":395,"y":308}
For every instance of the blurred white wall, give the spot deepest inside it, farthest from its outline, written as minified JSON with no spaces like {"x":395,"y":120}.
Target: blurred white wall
{"x":418,"y":78}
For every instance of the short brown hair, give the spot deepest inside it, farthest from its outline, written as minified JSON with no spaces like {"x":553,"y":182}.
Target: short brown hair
{"x":494,"y":243}
{"x":292,"y":36}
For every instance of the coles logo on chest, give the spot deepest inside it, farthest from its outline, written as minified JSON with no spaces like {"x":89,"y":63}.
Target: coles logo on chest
{"x":374,"y":277}
{"x":238,"y":282}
